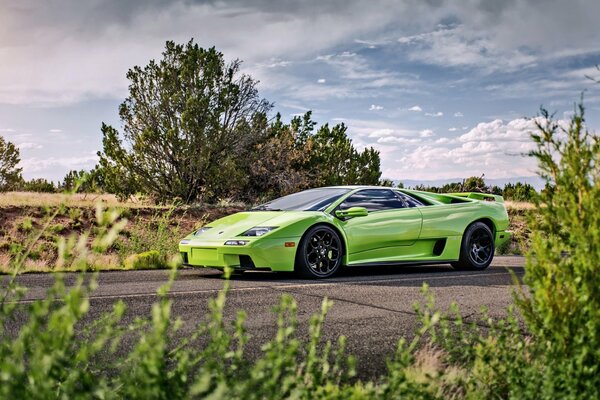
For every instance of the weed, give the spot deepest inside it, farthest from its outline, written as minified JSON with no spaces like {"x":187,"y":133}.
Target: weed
{"x":26,"y":225}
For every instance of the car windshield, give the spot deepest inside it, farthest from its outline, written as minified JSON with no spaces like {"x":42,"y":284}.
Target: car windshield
{"x":308,"y":200}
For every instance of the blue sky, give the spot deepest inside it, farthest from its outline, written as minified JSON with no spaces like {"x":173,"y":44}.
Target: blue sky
{"x":442,"y":89}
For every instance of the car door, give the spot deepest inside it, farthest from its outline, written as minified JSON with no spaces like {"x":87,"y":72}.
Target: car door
{"x":386,"y":233}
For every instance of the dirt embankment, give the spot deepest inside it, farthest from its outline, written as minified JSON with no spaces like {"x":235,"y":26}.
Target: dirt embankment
{"x":148,"y":228}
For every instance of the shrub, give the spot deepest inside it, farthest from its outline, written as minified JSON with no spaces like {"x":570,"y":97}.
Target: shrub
{"x":147,"y":260}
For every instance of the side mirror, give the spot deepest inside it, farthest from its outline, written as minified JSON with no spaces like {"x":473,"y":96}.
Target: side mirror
{"x":352,"y":212}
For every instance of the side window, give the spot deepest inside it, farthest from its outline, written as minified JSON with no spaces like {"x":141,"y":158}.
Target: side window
{"x":373,"y":200}
{"x":410,"y":201}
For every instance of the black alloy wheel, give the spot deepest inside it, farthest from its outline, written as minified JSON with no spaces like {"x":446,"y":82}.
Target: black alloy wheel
{"x":320,"y":253}
{"x":477,"y":248}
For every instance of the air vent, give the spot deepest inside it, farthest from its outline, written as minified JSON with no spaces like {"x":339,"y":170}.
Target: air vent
{"x":439,"y":246}
{"x":246,"y":262}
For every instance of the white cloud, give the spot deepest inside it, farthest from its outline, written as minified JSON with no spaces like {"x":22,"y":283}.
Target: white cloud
{"x":464,"y":128}
{"x":274,"y":63}
{"x":453,"y":129}
{"x":445,"y":140}
{"x":496,"y":148}
{"x":375,"y":107}
{"x":33,"y":164}
{"x":437,"y":114}
{"x":55,"y":130}
{"x":458,"y":114}
{"x":29,"y":145}
{"x":462,"y":46}
{"x":517,"y":130}
{"x":377,"y":133}
{"x":426,"y":133}
{"x":7,"y":130}
{"x":322,"y":80}
{"x":415,"y":108}
{"x":398,"y":140}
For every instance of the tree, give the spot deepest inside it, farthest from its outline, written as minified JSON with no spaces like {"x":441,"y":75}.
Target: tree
{"x":277,"y":165}
{"x":335,"y":161}
{"x":83,"y":181}
{"x":39,"y":185}
{"x":187,"y":119}
{"x":10,"y":175}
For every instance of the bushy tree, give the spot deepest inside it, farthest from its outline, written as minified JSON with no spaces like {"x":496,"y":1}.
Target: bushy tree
{"x":39,"y":185}
{"x":187,"y":119}
{"x":519,"y":191}
{"x":83,"y":181}
{"x":10,"y":174}
{"x":292,"y":157}
{"x":276,"y":165}
{"x":335,"y":160}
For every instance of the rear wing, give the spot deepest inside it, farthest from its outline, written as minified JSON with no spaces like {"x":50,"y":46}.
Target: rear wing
{"x":479,"y":196}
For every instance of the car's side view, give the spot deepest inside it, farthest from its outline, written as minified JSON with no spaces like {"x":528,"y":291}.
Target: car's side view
{"x":317,"y":231}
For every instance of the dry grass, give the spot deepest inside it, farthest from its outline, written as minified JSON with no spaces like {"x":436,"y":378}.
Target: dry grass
{"x":32,"y":199}
{"x":519,"y":205}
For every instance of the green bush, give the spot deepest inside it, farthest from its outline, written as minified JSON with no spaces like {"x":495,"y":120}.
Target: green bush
{"x":147,"y":260}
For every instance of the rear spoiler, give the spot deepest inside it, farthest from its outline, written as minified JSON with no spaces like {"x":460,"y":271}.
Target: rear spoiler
{"x":479,"y":196}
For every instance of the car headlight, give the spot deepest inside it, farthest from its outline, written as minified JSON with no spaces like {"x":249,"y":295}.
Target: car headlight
{"x":201,"y":230}
{"x":236,"y":242}
{"x":259,"y":230}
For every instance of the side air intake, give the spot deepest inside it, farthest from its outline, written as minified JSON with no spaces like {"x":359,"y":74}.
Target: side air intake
{"x":439,"y":246}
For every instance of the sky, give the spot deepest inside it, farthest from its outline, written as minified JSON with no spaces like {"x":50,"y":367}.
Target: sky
{"x":443,"y":89}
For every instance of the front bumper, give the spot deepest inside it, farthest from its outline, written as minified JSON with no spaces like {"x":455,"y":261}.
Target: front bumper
{"x":258,"y":253}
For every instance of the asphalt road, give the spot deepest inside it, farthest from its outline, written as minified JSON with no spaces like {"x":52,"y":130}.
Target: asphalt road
{"x":373,"y":307}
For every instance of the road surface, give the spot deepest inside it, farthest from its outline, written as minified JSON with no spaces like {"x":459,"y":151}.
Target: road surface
{"x":373,"y":307}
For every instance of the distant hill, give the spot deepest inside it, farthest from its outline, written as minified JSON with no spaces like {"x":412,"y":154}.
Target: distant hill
{"x":535,"y":181}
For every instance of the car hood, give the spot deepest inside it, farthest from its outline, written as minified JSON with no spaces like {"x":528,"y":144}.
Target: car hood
{"x":236,"y":224}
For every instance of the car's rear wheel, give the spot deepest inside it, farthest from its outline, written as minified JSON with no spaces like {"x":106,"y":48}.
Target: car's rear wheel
{"x":477,"y":248}
{"x":320,"y":253}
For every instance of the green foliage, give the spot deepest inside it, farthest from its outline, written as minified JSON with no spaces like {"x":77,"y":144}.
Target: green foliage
{"x":292,"y":158}
{"x":147,"y":260}
{"x":10,"y":175}
{"x":83,"y":181}
{"x":337,"y":162}
{"x":26,"y":225}
{"x":563,"y":307}
{"x":519,"y":192}
{"x":160,"y":234}
{"x":39,"y":185}
{"x":186,"y":120}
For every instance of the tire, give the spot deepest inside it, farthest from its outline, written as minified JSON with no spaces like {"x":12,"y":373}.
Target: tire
{"x":477,"y":248}
{"x":319,"y":254}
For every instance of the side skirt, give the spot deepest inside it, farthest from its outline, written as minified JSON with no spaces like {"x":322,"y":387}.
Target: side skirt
{"x":393,"y":263}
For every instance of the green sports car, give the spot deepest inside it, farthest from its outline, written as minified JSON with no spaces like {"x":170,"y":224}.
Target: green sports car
{"x":318,"y":231}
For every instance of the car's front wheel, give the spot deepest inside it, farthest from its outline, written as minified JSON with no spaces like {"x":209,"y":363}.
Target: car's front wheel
{"x":477,"y":248}
{"x":320,"y":253}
